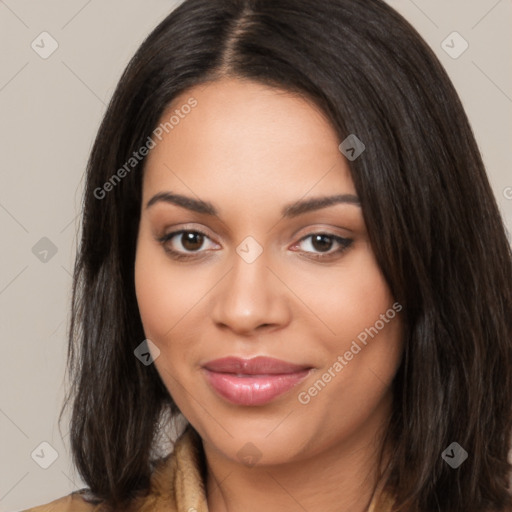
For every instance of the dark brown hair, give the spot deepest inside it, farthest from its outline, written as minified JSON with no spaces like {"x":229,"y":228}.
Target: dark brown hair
{"x":430,"y":213}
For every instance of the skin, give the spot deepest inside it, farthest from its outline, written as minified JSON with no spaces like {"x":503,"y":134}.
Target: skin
{"x":249,"y":150}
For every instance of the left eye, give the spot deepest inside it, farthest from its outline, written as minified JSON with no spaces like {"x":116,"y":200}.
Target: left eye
{"x":323,"y":243}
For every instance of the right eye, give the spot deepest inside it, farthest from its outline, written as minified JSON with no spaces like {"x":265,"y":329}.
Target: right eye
{"x":184,"y":244}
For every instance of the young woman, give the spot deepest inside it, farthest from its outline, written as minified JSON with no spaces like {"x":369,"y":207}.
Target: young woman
{"x":289,"y":244}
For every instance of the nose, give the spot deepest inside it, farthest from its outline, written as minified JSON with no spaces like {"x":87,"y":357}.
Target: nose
{"x":250,"y":298}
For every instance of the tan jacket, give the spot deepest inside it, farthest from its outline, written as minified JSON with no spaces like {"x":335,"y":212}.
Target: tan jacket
{"x":176,"y":486}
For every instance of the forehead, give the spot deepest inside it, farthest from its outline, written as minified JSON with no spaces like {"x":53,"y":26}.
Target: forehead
{"x":246,"y":140}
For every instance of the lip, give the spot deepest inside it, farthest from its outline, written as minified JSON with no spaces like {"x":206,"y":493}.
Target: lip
{"x":255,"y":381}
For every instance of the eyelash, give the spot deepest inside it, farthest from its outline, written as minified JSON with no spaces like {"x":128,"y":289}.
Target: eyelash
{"x":344,"y":243}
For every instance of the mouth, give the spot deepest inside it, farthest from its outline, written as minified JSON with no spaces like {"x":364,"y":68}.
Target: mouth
{"x":255,"y":381}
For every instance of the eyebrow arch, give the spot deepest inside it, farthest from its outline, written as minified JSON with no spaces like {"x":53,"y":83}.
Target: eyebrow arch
{"x":291,"y":210}
{"x":316,"y":203}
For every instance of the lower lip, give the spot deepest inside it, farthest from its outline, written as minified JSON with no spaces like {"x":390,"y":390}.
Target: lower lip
{"x":253,"y":389}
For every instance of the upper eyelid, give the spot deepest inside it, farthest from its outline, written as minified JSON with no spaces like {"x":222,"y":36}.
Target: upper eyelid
{"x":176,"y":232}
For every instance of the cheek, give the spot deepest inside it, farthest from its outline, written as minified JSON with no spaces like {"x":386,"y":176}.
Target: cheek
{"x":362,"y":328}
{"x":166,"y":297}
{"x":347,"y":298}
{"x":166,"y":294}
{"x":153,"y":296}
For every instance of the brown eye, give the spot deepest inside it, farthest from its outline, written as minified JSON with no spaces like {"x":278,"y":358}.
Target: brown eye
{"x":185,"y":243}
{"x":321,"y":242}
{"x":320,"y":245}
{"x":192,"y":240}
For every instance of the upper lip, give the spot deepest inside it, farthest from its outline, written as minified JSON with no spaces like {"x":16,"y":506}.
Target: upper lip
{"x":255,"y":366}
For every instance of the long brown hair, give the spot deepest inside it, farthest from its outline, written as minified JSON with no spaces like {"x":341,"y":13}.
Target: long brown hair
{"x":431,"y":216}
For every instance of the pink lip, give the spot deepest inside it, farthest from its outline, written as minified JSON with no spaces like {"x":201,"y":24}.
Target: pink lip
{"x":254,"y":381}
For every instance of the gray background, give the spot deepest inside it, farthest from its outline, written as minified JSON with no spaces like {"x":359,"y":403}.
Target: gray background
{"x":50,"y":111}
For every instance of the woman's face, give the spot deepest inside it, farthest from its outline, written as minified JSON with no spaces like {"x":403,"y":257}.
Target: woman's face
{"x":267,"y":275}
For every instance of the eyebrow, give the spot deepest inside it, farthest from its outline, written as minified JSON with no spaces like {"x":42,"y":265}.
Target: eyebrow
{"x":289,"y":211}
